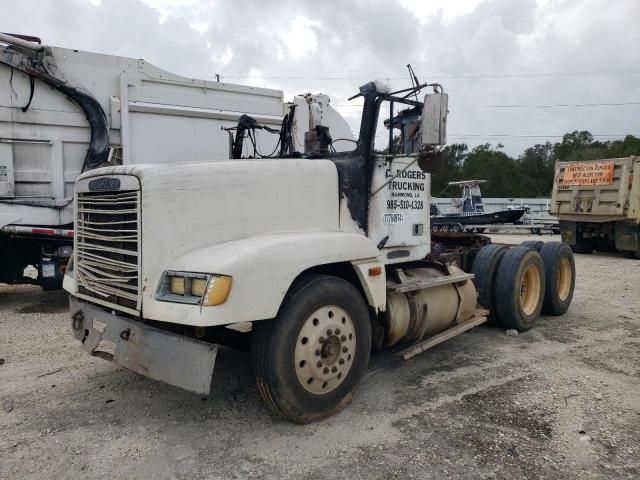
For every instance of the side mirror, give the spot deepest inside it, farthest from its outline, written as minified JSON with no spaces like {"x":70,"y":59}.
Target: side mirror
{"x":434,"y":119}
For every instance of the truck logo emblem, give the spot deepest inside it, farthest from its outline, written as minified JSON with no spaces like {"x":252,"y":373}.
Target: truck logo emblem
{"x":104,"y":183}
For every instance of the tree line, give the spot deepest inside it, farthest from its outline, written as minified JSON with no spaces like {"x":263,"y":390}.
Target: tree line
{"x":531,"y":174}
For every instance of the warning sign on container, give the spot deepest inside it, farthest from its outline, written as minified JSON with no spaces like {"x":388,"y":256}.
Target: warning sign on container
{"x":592,"y":173}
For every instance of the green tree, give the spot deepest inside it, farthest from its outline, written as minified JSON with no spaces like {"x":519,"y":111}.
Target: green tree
{"x":453,"y":158}
{"x":577,"y":146}
{"x":537,"y":169}
{"x":503,"y":174}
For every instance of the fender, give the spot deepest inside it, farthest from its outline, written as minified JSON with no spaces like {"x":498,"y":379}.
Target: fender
{"x":263,"y":268}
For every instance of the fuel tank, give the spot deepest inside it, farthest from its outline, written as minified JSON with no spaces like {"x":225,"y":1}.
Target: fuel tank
{"x":417,"y":315}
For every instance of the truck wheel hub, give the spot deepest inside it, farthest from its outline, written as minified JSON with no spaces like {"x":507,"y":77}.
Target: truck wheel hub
{"x":330,"y":350}
{"x":325,"y":349}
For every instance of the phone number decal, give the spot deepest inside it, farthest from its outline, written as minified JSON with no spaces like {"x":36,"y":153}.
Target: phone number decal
{"x":405,"y":204}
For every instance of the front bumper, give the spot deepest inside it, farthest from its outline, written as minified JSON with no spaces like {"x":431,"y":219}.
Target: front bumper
{"x":171,"y":358}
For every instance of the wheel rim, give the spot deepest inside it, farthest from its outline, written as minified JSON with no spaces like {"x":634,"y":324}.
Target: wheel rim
{"x":530,"y":290}
{"x":563,"y":279}
{"x":325,"y":349}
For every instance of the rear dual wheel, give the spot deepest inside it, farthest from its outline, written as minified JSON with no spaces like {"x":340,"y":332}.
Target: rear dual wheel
{"x":535,"y":244}
{"x":484,"y":268}
{"x":560,"y":277}
{"x":520,"y":287}
{"x":309,"y":360}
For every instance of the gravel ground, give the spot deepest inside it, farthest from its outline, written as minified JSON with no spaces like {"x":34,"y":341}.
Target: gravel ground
{"x":562,"y":400}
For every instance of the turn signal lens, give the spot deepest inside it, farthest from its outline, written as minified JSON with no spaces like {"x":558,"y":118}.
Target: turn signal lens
{"x":176,"y":285}
{"x":375,"y":271}
{"x":218,"y":291}
{"x":198,"y":286}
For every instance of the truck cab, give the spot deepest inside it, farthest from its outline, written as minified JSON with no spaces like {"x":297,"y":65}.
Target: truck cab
{"x":314,"y":258}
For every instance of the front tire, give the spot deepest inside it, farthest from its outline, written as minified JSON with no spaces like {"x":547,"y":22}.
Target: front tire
{"x":309,"y":360}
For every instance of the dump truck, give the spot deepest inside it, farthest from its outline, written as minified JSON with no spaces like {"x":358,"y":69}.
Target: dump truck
{"x":598,"y":204}
{"x":310,"y":260}
{"x":66,"y":111}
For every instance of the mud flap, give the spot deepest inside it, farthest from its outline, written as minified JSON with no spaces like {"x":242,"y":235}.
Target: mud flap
{"x":165,"y":356}
{"x":627,"y":236}
{"x":568,"y":232}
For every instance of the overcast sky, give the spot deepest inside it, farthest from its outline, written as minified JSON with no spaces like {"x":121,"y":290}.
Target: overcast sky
{"x":507,"y":64}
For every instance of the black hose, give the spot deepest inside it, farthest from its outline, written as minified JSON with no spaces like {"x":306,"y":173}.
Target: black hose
{"x":32,"y":83}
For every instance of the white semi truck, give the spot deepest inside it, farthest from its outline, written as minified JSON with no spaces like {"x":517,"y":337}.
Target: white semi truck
{"x":66,"y":111}
{"x":313,"y":259}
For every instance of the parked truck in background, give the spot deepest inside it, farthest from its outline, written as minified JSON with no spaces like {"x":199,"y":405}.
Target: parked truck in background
{"x":598,"y":204}
{"x":64,"y":111}
{"x":312,"y":259}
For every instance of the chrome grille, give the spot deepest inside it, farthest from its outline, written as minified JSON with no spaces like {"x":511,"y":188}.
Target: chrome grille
{"x":107,"y":247}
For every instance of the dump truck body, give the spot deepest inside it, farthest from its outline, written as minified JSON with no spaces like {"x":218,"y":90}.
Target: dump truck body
{"x":65,"y":111}
{"x":598,"y":204}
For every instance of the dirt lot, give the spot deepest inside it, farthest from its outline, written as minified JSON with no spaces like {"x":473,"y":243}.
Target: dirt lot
{"x":560,"y":401}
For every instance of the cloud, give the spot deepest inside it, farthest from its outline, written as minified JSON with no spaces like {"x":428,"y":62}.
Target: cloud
{"x":485,"y":52}
{"x":131,"y":29}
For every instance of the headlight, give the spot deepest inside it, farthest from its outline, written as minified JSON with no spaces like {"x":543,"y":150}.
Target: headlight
{"x":194,"y":288}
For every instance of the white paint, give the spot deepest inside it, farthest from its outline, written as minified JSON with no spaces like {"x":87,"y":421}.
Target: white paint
{"x":406,"y":196}
{"x":347,"y":223}
{"x":375,"y":287}
{"x":262,"y":222}
{"x":156,"y":115}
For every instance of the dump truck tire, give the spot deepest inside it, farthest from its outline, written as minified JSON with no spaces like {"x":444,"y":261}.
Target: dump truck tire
{"x":309,"y":360}
{"x":485,"y":266}
{"x":604,"y":245}
{"x":560,"y":277}
{"x":584,"y":245}
{"x":519,"y":288}
{"x":535,"y":244}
